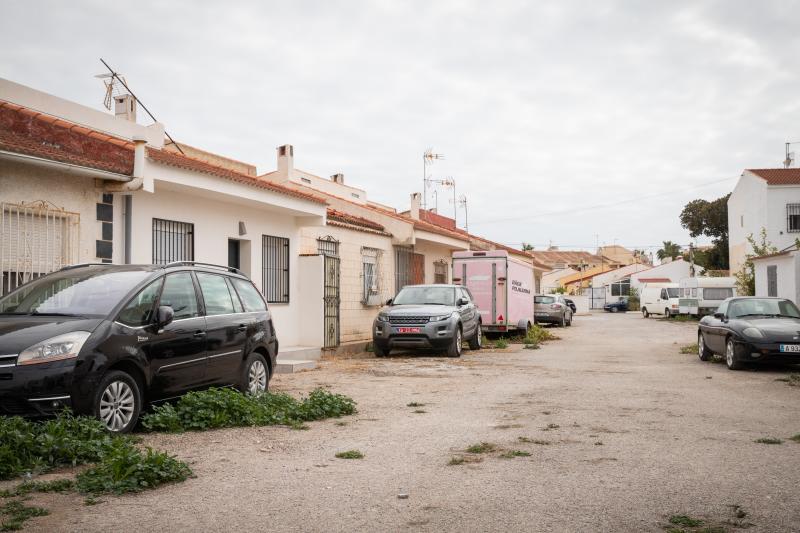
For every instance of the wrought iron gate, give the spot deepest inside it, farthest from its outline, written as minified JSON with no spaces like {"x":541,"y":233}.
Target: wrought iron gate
{"x":332,"y":300}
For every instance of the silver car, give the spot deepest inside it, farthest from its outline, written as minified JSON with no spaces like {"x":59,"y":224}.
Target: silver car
{"x":552,"y":309}
{"x":428,"y":316}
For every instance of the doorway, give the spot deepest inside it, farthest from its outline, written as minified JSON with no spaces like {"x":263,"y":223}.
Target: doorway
{"x":234,"y":253}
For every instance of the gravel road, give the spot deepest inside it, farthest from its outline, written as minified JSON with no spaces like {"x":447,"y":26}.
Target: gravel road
{"x":623,"y":431}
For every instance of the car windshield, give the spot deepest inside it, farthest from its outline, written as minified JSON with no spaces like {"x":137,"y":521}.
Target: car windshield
{"x":426,"y":296}
{"x":673,"y":292}
{"x":762,"y":307}
{"x":543,"y":299}
{"x":79,"y":292}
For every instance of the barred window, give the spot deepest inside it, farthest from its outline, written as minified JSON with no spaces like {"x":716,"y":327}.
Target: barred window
{"x":370,"y":277}
{"x":275,"y":269}
{"x":440,"y":272}
{"x":328,"y":246}
{"x":772,"y":280}
{"x":172,"y":241}
{"x":793,"y":218}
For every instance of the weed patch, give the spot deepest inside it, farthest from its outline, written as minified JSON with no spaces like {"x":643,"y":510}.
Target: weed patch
{"x":483,"y":447}
{"x":219,"y":408}
{"x":795,"y":438}
{"x":57,"y":485}
{"x":420,"y":411}
{"x":501,"y":343}
{"x":514,"y":453}
{"x":550,"y":427}
{"x":768,"y":440}
{"x":534,"y":441}
{"x":792,"y":379}
{"x":689,"y":349}
{"x":15,"y":513}
{"x":685,"y":521}
{"x":460,"y":460}
{"x":350,"y":454}
{"x":415,"y":404}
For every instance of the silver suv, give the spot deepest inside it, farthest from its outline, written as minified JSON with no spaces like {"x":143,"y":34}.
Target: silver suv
{"x":552,"y":309}
{"x":428,"y":316}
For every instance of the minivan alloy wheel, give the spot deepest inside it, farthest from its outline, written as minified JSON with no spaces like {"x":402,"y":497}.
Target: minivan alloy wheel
{"x":117,"y":405}
{"x":257,"y":378}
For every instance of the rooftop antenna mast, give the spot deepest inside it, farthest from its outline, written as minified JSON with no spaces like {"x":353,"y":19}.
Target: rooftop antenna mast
{"x":462,"y":201}
{"x":115,"y":77}
{"x":789,"y":155}
{"x":427,"y":159}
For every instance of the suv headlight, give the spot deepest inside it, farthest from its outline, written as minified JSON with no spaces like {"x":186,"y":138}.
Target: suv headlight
{"x":383,"y":318}
{"x":439,"y":318}
{"x":754,"y":333}
{"x":58,"y":348}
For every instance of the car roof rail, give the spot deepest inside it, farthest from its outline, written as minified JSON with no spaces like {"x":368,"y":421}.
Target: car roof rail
{"x":78,"y":265}
{"x":198,"y":263}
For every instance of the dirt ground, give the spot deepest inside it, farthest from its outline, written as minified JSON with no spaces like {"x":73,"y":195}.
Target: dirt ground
{"x":629,"y":432}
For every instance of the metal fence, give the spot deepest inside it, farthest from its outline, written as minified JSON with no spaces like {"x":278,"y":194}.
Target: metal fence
{"x":172,"y":241}
{"x":35,"y":239}
{"x":275,"y":269}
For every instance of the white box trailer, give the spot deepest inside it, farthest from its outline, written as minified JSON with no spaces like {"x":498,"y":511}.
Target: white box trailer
{"x":502,"y":287}
{"x":702,"y":296}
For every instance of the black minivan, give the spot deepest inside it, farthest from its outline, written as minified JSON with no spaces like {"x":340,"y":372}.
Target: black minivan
{"x":107,"y":339}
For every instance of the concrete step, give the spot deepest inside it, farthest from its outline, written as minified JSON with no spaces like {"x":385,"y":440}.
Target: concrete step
{"x":290,"y":366}
{"x":299,"y":353}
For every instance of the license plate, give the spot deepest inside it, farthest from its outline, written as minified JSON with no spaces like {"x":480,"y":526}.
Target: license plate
{"x":790,"y":348}
{"x":408,"y":330}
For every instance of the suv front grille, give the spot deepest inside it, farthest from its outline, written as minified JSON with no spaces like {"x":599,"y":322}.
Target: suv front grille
{"x":406,"y":320}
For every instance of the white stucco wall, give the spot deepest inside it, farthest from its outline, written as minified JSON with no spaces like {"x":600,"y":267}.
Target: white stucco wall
{"x":311,"y":273}
{"x":215,"y":221}
{"x":550,"y":279}
{"x":788,"y":276}
{"x":24,"y":183}
{"x":674,"y":271}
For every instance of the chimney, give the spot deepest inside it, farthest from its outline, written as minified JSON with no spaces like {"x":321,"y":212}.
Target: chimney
{"x":286,"y":161}
{"x":125,"y":107}
{"x":416,"y":201}
{"x":338,"y":178}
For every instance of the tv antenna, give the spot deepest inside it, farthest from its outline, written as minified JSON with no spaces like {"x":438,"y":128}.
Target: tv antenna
{"x":112,"y":80}
{"x":462,"y":201}
{"x":427,"y":159}
{"x":789,"y":155}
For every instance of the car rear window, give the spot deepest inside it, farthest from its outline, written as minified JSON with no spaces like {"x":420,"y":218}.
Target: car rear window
{"x":543,"y":299}
{"x":250,"y":296}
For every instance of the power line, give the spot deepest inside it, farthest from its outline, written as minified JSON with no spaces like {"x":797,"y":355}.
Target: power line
{"x":599,"y":206}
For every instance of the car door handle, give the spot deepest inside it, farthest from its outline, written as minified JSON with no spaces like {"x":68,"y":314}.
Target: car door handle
{"x":199,"y":334}
{"x":242,"y":327}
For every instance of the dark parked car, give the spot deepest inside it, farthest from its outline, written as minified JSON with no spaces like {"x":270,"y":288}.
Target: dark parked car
{"x":751,"y":330}
{"x":428,"y":316}
{"x":106,"y":339}
{"x":571,"y":305}
{"x":620,"y":306}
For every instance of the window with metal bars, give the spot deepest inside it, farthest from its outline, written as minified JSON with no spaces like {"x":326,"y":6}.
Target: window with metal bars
{"x":172,"y":241}
{"x":275,"y":269}
{"x":370,"y":276}
{"x":328,"y":246}
{"x":772,"y":280}
{"x":792,"y":218}
{"x":440,"y":272}
{"x":403,"y":259}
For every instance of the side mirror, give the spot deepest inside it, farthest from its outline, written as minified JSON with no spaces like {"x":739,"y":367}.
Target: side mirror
{"x":389,"y":301}
{"x":462,"y":301}
{"x":719,"y":316}
{"x":164,"y":316}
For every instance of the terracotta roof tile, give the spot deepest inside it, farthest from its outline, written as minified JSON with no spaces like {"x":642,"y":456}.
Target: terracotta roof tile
{"x":188,"y":163}
{"x":778,"y":176}
{"x":29,"y":132}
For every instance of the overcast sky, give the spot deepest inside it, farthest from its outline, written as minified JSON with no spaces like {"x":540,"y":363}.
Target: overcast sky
{"x":543,"y":110}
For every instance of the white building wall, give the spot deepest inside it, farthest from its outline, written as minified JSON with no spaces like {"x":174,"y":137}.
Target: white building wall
{"x":777,"y":225}
{"x":674,"y":271}
{"x":788,"y":276}
{"x":216,"y":221}
{"x":550,"y":279}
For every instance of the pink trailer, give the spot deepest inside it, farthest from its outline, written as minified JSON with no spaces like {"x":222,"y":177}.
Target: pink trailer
{"x":502,"y":287}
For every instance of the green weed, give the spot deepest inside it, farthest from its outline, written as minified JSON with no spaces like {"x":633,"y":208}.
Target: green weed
{"x":685,"y":521}
{"x":350,"y":454}
{"x":534,"y":441}
{"x":769,"y":440}
{"x":501,"y":343}
{"x":415,"y":404}
{"x":795,"y":438}
{"x":483,"y":447}
{"x":689,"y":349}
{"x":514,"y":453}
{"x":15,"y":513}
{"x":57,"y":485}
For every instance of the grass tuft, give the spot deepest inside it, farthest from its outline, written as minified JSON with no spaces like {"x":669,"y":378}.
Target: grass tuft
{"x":514,"y":453}
{"x":795,"y":438}
{"x":534,"y":441}
{"x":550,"y":426}
{"x":482,"y":447}
{"x":685,"y":521}
{"x":768,"y":440}
{"x":501,"y":343}
{"x":57,"y":485}
{"x":350,"y":454}
{"x":415,"y":404}
{"x":689,"y":349}
{"x":15,"y":513}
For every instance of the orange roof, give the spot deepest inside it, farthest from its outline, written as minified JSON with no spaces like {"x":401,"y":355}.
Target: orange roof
{"x":778,"y":176}
{"x":552,"y":257}
{"x":586,"y":275}
{"x":189,"y":163}
{"x":29,"y":132}
{"x":338,"y":218}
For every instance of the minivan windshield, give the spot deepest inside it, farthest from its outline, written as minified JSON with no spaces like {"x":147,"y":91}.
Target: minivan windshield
{"x":425,"y":296}
{"x":673,"y":292}
{"x":762,"y":307}
{"x":79,"y":292}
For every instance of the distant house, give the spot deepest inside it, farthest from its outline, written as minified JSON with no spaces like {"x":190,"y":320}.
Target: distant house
{"x":574,"y":283}
{"x":778,"y":274}
{"x":552,"y":280}
{"x":768,"y":199}
{"x":617,"y":282}
{"x":671,"y":272}
{"x":578,"y":260}
{"x":623,"y":256}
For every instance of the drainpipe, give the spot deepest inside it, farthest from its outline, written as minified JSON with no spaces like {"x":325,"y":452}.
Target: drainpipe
{"x":138,"y":169}
{"x":128,"y":225}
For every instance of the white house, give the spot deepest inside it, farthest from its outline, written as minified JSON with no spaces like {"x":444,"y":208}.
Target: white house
{"x":671,"y":272}
{"x":550,"y":279}
{"x":768,"y":199}
{"x":82,"y":185}
{"x":778,"y":275}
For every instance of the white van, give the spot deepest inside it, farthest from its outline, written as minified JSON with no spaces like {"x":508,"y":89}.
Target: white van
{"x":659,"y":299}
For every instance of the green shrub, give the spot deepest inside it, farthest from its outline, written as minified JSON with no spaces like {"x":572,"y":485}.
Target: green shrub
{"x":537,"y":335}
{"x":57,"y":485}
{"x":15,"y":513}
{"x":350,"y":454}
{"x":501,"y":343}
{"x":482,"y":447}
{"x":126,"y":468}
{"x":218,"y":408}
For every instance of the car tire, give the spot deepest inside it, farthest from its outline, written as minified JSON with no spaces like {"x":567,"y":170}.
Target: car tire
{"x":614,"y":310}
{"x":731,"y":359}
{"x":645,"y":313}
{"x":477,"y":339}
{"x":454,"y":350}
{"x":379,"y":350}
{"x":702,"y":350}
{"x":667,"y":313}
{"x":569,"y":322}
{"x":255,"y":375}
{"x":563,"y":322}
{"x":118,"y":401}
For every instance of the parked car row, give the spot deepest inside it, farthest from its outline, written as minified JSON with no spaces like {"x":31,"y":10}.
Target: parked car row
{"x":748,"y":330}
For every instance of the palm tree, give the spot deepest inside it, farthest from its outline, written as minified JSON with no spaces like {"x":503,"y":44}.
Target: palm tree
{"x":670,"y":250}
{"x":527,"y":247}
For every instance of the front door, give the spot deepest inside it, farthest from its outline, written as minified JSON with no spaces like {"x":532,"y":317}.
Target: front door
{"x":178,"y":351}
{"x":331,"y":302}
{"x":418,"y":269}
